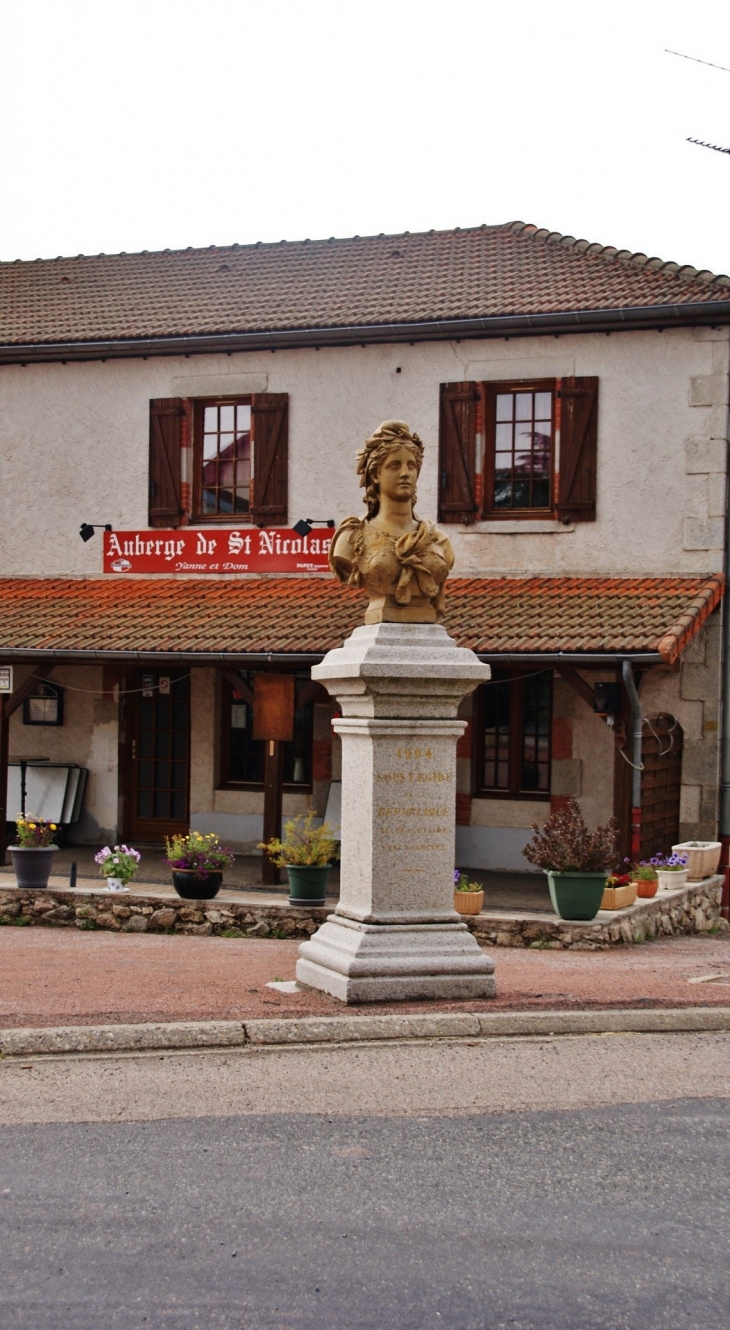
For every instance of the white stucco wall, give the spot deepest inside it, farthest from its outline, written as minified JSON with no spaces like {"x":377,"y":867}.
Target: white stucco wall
{"x":81,"y":432}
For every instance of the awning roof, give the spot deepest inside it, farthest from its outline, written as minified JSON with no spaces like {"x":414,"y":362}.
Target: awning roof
{"x":207,"y":621}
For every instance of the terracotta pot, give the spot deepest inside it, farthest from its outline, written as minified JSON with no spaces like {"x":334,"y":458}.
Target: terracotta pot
{"x":619,"y":898}
{"x":468,"y":902}
{"x":646,"y":889}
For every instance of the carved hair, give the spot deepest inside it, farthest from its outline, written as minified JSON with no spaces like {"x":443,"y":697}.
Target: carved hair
{"x":391,"y":434}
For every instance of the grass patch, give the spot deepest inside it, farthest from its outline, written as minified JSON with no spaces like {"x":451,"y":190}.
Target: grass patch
{"x":20,"y":920}
{"x":233,"y":932}
{"x":88,"y":925}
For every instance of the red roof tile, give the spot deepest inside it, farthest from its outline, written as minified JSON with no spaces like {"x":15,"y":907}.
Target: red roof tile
{"x":312,"y":615}
{"x":481,"y":272}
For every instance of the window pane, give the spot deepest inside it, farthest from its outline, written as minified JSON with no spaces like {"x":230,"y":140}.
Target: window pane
{"x":225,"y":446}
{"x":242,"y":500}
{"x":504,"y":406}
{"x":504,"y":438}
{"x":537,"y":695}
{"x":540,"y":494}
{"x":243,"y":417}
{"x":543,"y":406}
{"x":495,"y":775}
{"x":210,"y":446}
{"x":210,"y":419}
{"x":523,"y":406}
{"x":227,"y":417}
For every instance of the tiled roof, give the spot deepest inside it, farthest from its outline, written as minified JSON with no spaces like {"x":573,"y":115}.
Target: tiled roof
{"x":481,"y":272}
{"x":312,"y":615}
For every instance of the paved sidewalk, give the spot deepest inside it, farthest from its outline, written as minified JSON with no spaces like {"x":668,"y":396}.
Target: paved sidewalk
{"x":64,"y":977}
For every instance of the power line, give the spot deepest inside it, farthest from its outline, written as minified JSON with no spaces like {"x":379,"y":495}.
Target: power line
{"x":697,"y":61}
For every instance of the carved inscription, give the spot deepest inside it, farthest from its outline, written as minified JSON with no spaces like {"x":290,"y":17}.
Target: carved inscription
{"x":432,"y":834}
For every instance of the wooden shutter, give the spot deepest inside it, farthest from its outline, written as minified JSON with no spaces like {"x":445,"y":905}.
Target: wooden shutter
{"x":166,"y":414}
{"x":578,"y":449}
{"x":661,"y":784}
{"x":457,"y":452}
{"x":270,"y":438}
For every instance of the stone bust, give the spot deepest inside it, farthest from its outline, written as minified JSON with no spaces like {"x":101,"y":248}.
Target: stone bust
{"x":399,"y":559}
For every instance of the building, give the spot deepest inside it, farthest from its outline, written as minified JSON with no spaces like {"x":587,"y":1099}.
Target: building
{"x":573,"y":403}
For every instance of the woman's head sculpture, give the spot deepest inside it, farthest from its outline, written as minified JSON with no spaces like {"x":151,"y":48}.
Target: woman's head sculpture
{"x":390,"y":435}
{"x":400,"y":560}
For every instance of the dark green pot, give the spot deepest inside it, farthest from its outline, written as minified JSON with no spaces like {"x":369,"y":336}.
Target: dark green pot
{"x":576,"y":895}
{"x":307,"y":883}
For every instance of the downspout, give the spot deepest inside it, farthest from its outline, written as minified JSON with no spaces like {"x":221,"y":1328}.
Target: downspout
{"x":636,"y":734}
{"x":725,"y":702}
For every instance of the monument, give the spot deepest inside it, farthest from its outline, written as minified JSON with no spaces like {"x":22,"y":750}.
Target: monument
{"x":399,"y":680}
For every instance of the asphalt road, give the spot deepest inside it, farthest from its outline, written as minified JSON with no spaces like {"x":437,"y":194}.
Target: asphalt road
{"x":403,"y":1215}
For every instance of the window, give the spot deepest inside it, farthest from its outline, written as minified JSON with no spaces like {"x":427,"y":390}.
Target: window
{"x":44,"y":706}
{"x":521,"y":449}
{"x":223,"y":458}
{"x":242,"y":756}
{"x":512,"y":721}
{"x":519,"y":433}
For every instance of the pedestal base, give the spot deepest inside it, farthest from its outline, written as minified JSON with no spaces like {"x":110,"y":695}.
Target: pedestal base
{"x":359,"y":962}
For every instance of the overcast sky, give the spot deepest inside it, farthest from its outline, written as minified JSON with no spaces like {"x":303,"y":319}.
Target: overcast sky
{"x":153,"y":124}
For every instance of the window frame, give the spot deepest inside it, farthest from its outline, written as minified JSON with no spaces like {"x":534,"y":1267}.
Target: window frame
{"x":224,"y":781}
{"x":516,"y":678}
{"x":489,"y":391}
{"x":197,"y":515}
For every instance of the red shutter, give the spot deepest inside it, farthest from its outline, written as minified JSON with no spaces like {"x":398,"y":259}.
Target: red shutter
{"x":578,"y":449}
{"x":457,"y":452}
{"x":166,"y":415}
{"x":270,"y":438}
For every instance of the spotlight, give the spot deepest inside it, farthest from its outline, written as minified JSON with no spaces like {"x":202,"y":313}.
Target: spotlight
{"x":87,"y":529}
{"x":305,"y":524}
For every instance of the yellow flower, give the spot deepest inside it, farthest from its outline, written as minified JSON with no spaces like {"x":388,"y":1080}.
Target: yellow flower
{"x":53,"y":826}
{"x":32,"y":826}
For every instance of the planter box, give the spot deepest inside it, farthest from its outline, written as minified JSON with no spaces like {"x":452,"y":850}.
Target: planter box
{"x":703,"y":858}
{"x":468,"y":902}
{"x":669,"y":881}
{"x":619,"y":898}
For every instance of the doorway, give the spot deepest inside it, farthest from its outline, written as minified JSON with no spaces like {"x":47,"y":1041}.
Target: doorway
{"x":158,"y":754}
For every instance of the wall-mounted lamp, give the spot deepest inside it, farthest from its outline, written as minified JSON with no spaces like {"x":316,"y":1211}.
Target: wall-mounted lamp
{"x":305,"y":524}
{"x":87,"y":529}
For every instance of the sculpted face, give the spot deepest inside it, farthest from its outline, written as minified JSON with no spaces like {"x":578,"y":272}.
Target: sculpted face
{"x":398,"y":475}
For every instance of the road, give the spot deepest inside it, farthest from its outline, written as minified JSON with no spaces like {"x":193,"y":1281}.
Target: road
{"x":571,"y":1184}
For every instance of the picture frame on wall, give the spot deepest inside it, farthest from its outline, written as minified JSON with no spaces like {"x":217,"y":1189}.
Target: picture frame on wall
{"x":44,"y":706}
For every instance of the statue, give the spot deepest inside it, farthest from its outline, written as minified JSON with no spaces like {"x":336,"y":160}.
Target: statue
{"x":400,"y":560}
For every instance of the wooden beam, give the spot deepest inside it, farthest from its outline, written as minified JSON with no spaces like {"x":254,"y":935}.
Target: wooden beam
{"x":238,"y":683}
{"x":24,"y":689}
{"x":577,"y":683}
{"x":273,"y":791}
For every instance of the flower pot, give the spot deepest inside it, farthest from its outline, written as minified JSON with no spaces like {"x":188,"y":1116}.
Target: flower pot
{"x":116,"y":884}
{"x":33,"y":864}
{"x":576,"y":895}
{"x":619,"y":898}
{"x":307,"y":883}
{"x":702,"y":858}
{"x":647,"y":889}
{"x":193,"y":886}
{"x":468,"y":902}
{"x":672,"y":881}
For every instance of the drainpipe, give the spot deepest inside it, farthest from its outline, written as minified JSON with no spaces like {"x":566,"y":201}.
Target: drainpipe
{"x":725,"y":744}
{"x":635,"y":704}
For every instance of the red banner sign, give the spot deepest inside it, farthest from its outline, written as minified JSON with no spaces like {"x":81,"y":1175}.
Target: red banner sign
{"x":221,"y":550}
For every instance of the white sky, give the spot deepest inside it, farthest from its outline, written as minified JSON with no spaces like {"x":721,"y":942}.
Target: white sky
{"x":147,"y":124}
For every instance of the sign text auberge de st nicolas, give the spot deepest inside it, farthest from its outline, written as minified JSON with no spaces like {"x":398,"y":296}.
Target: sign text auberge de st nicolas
{"x":216,"y":550}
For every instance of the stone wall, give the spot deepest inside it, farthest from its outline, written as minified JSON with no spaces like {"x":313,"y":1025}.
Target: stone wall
{"x":694,"y":909}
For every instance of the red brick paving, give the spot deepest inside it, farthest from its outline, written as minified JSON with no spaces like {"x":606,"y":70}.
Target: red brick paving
{"x":56,"y":977}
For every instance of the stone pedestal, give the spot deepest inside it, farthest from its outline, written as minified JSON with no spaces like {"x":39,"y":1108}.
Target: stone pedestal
{"x":395,"y":933}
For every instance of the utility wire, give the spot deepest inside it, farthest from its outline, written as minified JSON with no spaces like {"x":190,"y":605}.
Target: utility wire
{"x":696,"y":60}
{"x":714,"y":146}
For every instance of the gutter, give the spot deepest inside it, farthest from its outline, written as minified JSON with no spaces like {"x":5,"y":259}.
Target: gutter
{"x":716,"y":312}
{"x":642,"y":659}
{"x":577,"y":659}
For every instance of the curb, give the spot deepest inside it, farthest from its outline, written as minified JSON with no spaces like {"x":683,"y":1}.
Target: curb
{"x":353,"y":1029}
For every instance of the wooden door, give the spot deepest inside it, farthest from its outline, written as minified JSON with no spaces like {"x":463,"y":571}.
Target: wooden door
{"x":661,"y":784}
{"x":158,"y":752}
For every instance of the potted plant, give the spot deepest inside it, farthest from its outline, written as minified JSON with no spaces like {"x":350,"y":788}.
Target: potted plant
{"x":33,"y":855}
{"x":619,"y":892}
{"x":703,"y":856}
{"x":306,"y":852}
{"x":468,"y":896}
{"x":672,"y":871}
{"x":118,"y":866}
{"x":197,"y":862}
{"x":645,"y":876}
{"x":575,"y":859}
